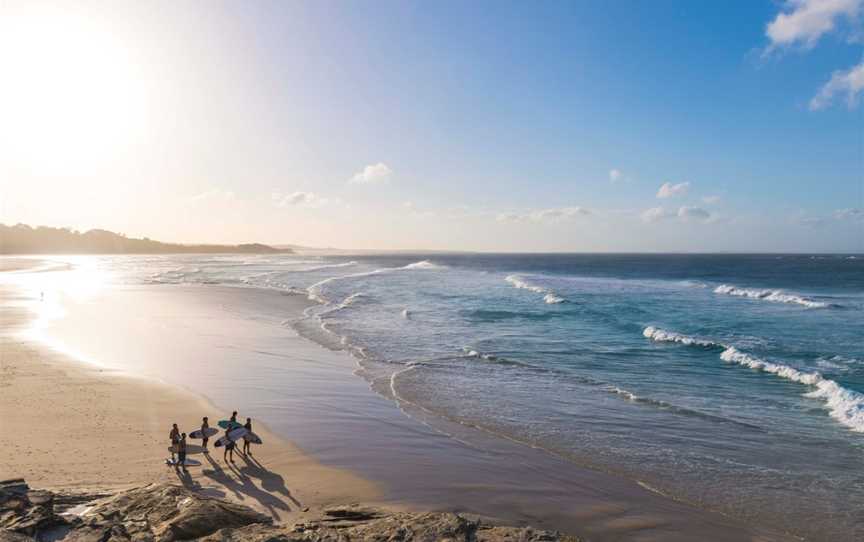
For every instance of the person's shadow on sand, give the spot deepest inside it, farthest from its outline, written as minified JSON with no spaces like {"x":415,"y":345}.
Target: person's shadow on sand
{"x":186,"y":479}
{"x":270,"y":481}
{"x":245,"y":488}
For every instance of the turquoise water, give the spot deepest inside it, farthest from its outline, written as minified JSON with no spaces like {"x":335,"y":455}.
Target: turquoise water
{"x":732,"y":382}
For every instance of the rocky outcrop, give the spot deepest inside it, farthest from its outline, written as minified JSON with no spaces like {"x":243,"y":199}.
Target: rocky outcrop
{"x":168,"y":513}
{"x":24,"y":511}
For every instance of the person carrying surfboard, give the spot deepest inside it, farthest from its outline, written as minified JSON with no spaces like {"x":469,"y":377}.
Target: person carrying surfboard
{"x":247,"y":449}
{"x":234,"y":416}
{"x":205,"y":425}
{"x":174,"y":436}
{"x":229,"y":446}
{"x":181,"y":451}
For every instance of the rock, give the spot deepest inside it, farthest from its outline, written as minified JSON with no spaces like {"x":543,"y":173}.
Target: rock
{"x":14,"y":486}
{"x":168,"y":513}
{"x":25,"y":511}
{"x":11,"y":536}
{"x":384,"y":527}
{"x":162,"y":513}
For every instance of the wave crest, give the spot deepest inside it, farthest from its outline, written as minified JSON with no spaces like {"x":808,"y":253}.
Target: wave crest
{"x":549,"y":296}
{"x":661,"y":335}
{"x":845,"y":405}
{"x":777,"y":296}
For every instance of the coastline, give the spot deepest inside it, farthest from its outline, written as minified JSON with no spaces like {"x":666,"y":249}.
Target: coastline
{"x":601,"y":506}
{"x":85,"y":429}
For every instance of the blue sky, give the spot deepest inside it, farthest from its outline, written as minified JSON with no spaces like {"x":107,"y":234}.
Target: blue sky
{"x":484,"y":125}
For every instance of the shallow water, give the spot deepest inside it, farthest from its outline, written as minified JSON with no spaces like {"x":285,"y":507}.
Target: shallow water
{"x":733,"y":382}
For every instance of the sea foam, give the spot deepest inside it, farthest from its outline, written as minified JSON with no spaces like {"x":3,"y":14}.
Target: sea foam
{"x":777,"y":296}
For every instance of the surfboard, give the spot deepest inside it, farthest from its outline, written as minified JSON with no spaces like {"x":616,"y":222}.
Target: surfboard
{"x":253,"y":438}
{"x":201,"y":434}
{"x":225,"y":424}
{"x":232,"y":436}
{"x":188,"y":463}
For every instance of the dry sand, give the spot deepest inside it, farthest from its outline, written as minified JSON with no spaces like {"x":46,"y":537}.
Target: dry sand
{"x":72,"y":426}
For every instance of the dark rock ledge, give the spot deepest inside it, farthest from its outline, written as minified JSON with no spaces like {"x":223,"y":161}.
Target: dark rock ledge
{"x":167,"y":512}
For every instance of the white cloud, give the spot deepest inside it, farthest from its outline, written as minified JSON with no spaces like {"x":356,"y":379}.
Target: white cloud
{"x":693,"y":213}
{"x":711,"y":200}
{"x":655,"y":214}
{"x":812,"y":221}
{"x":849,"y":214}
{"x":412,"y":208}
{"x":615,"y":175}
{"x":805,"y":21}
{"x":849,"y":82}
{"x":301,"y":199}
{"x":372,"y":174}
{"x":555,"y":214}
{"x":215,"y":194}
{"x":668,"y":190}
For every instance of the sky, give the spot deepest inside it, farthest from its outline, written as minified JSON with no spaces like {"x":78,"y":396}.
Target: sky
{"x":497,"y":126}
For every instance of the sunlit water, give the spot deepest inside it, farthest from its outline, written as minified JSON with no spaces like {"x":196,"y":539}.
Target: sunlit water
{"x":733,"y":382}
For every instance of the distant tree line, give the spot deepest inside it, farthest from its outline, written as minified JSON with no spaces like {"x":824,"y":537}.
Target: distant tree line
{"x":24,"y":239}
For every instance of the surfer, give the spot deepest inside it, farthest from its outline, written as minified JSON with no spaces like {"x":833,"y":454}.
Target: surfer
{"x":205,"y":425}
{"x":174,"y":435}
{"x":181,"y":451}
{"x":247,"y":449}
{"x":229,"y":446}
{"x":234,"y":416}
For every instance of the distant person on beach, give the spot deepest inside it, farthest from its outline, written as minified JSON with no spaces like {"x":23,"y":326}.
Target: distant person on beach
{"x":181,"y":451}
{"x":205,"y":425}
{"x":174,"y":435}
{"x":247,"y":449}
{"x":229,"y":447}
{"x":234,"y":417}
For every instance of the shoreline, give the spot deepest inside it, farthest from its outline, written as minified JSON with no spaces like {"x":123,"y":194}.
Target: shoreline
{"x":599,"y":505}
{"x":87,"y":429}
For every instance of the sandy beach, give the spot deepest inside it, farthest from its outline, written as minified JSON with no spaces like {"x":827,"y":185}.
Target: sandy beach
{"x":81,"y":428}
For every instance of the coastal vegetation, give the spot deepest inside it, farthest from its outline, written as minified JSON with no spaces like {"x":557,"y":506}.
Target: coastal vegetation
{"x":24,"y":239}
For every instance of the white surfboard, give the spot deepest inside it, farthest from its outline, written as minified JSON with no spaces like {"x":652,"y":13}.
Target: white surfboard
{"x":232,"y":436}
{"x":253,"y":438}
{"x":201,"y":434}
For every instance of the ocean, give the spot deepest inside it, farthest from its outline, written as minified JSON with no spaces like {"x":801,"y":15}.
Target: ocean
{"x":731,"y":382}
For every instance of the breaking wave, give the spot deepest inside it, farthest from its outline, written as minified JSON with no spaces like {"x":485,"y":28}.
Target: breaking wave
{"x":777,"y":296}
{"x":549,"y":296}
{"x":845,"y":405}
{"x":661,"y":335}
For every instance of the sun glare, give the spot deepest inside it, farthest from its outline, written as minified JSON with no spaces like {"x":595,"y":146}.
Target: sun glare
{"x":71,"y":96}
